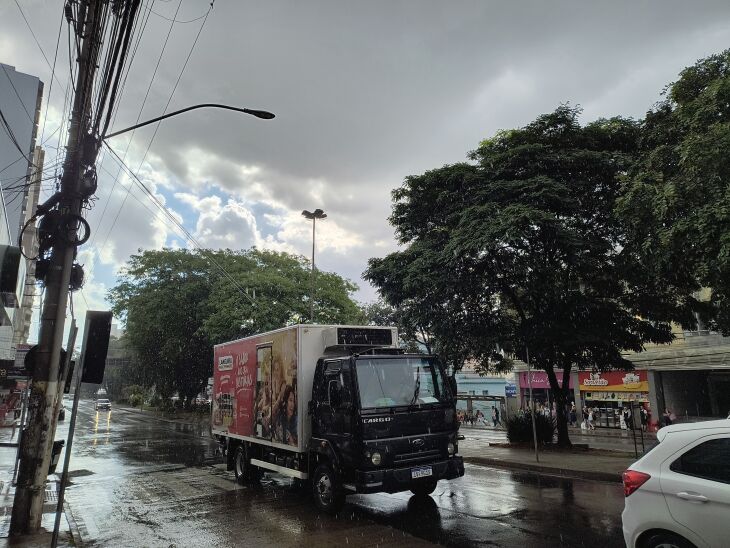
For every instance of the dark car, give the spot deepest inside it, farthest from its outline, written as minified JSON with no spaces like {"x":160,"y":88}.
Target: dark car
{"x":103,"y":405}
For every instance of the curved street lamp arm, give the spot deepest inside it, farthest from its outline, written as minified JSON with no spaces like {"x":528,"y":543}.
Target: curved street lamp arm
{"x":258,"y":113}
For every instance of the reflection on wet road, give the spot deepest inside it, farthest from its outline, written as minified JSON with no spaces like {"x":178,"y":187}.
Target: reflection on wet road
{"x":138,"y":480}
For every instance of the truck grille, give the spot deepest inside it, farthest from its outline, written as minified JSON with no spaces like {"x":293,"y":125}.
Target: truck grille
{"x":420,"y":456}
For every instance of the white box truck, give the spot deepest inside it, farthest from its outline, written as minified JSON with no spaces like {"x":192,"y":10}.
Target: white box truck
{"x":339,"y":408}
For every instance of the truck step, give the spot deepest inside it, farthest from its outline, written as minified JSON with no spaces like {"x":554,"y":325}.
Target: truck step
{"x":280,"y":469}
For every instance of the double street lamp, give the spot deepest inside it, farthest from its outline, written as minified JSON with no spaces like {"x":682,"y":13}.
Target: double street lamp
{"x":313,"y":215}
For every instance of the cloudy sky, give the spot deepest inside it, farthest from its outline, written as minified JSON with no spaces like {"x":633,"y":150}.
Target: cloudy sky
{"x":365,"y":93}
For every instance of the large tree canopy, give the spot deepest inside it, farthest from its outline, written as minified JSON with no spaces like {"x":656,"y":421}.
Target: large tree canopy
{"x":521,"y":250}
{"x":177,"y":304}
{"x":677,"y":204}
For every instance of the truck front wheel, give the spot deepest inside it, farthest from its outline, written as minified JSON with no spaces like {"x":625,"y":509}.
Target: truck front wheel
{"x":328,"y":493}
{"x":423,"y":488}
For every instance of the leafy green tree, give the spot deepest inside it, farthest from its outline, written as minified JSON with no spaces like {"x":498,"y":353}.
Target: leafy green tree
{"x":277,"y":292}
{"x":676,"y":206}
{"x":163,"y":297}
{"x":520,"y":251}
{"x":177,"y":304}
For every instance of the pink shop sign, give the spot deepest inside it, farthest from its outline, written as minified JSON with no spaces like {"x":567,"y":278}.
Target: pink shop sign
{"x":540,"y":379}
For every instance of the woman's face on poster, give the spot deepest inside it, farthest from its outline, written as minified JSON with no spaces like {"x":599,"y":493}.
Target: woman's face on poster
{"x":291,"y":403}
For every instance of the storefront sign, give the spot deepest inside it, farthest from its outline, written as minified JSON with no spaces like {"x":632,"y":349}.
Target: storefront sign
{"x":613,"y":381}
{"x":539,"y":379}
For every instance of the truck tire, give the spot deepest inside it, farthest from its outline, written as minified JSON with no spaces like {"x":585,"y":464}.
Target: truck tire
{"x":328,"y":493}
{"x":423,"y":488}
{"x":242,"y":467}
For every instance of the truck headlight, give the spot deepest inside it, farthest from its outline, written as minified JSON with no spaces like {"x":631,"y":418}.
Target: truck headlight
{"x":375,"y":458}
{"x":451,"y":448}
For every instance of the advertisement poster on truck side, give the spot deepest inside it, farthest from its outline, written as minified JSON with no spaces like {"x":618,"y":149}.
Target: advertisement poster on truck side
{"x":255,"y":388}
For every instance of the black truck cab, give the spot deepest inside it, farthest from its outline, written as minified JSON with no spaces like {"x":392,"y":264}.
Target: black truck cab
{"x":381,"y":423}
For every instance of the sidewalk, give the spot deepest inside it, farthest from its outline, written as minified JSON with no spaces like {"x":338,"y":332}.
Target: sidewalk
{"x":591,"y":465}
{"x":599,"y":431}
{"x":8,"y":436}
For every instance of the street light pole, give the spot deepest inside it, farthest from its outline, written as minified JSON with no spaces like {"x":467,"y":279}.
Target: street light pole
{"x":263,"y":114}
{"x":316,"y":214}
{"x":532,"y":404}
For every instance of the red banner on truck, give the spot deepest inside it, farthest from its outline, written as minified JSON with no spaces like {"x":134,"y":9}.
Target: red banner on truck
{"x":255,"y":384}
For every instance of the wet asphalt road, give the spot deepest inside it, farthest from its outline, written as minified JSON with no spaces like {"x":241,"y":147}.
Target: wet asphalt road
{"x":141,"y":481}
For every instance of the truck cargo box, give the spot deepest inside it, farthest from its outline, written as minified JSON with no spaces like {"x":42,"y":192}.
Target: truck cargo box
{"x":262,"y":384}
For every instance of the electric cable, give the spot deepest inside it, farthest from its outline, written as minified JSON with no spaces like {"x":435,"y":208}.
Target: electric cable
{"x":173,"y":20}
{"x":139,"y":115}
{"x":53,"y":75}
{"x":20,"y":99}
{"x":169,"y":100}
{"x":177,"y":82}
{"x":43,"y":53}
{"x":190,"y":237}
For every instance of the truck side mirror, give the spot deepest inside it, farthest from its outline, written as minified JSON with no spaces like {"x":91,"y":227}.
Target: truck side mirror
{"x":333,"y":392}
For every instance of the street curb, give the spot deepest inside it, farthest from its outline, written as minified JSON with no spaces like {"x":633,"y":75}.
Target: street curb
{"x":541,"y":469}
{"x":72,"y":525}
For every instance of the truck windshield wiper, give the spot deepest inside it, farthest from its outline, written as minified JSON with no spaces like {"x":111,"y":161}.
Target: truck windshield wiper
{"x":417,"y":389}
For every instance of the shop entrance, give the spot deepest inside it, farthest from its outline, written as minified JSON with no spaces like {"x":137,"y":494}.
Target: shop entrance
{"x":696,"y":395}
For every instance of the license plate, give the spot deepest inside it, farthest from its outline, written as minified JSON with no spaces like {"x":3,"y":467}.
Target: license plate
{"x":422,"y":472}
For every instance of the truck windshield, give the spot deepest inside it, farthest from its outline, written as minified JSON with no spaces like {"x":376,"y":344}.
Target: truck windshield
{"x":402,"y":381}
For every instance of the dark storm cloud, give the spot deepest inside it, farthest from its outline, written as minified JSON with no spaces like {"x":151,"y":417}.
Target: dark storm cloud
{"x":367,"y":93}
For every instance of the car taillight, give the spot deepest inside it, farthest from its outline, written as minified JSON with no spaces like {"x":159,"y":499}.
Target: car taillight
{"x":633,"y":480}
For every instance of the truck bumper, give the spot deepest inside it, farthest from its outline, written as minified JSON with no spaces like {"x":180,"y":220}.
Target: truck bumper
{"x":395,"y":480}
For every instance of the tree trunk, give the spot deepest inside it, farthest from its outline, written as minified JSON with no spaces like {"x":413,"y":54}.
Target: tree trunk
{"x":561,"y":398}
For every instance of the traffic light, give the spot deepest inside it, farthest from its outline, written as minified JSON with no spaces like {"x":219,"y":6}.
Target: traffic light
{"x":95,"y":346}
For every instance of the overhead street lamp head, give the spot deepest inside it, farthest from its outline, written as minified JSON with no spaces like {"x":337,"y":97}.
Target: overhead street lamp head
{"x":264,"y":114}
{"x":316,"y":214}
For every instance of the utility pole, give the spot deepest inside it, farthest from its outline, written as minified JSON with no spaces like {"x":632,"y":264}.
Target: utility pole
{"x":37,"y":438}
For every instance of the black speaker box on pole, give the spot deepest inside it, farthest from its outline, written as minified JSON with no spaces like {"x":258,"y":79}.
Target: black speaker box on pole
{"x":95,"y":346}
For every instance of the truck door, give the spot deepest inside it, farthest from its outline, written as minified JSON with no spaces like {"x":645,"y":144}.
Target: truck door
{"x":263,"y":417}
{"x":333,"y":415}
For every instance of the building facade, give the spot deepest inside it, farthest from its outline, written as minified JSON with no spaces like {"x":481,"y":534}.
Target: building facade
{"x":471,"y":385}
{"x":21,"y":173}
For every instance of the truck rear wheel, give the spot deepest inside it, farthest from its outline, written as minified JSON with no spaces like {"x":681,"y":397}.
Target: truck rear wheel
{"x":423,"y":488}
{"x":328,"y":494}
{"x":242,"y":467}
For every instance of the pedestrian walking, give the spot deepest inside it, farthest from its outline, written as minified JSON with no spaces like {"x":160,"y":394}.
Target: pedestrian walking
{"x":628,"y":419}
{"x":590,"y":419}
{"x":667,"y":418}
{"x":644,"y":414}
{"x":573,"y":416}
{"x":496,"y":411}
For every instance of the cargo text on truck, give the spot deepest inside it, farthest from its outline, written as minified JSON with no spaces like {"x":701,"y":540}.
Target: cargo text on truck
{"x":339,"y":408}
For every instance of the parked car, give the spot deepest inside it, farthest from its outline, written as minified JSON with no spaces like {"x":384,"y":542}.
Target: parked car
{"x":103,"y":405}
{"x":678,"y":494}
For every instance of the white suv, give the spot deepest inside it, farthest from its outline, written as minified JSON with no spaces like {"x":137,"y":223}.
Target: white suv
{"x":678,"y":494}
